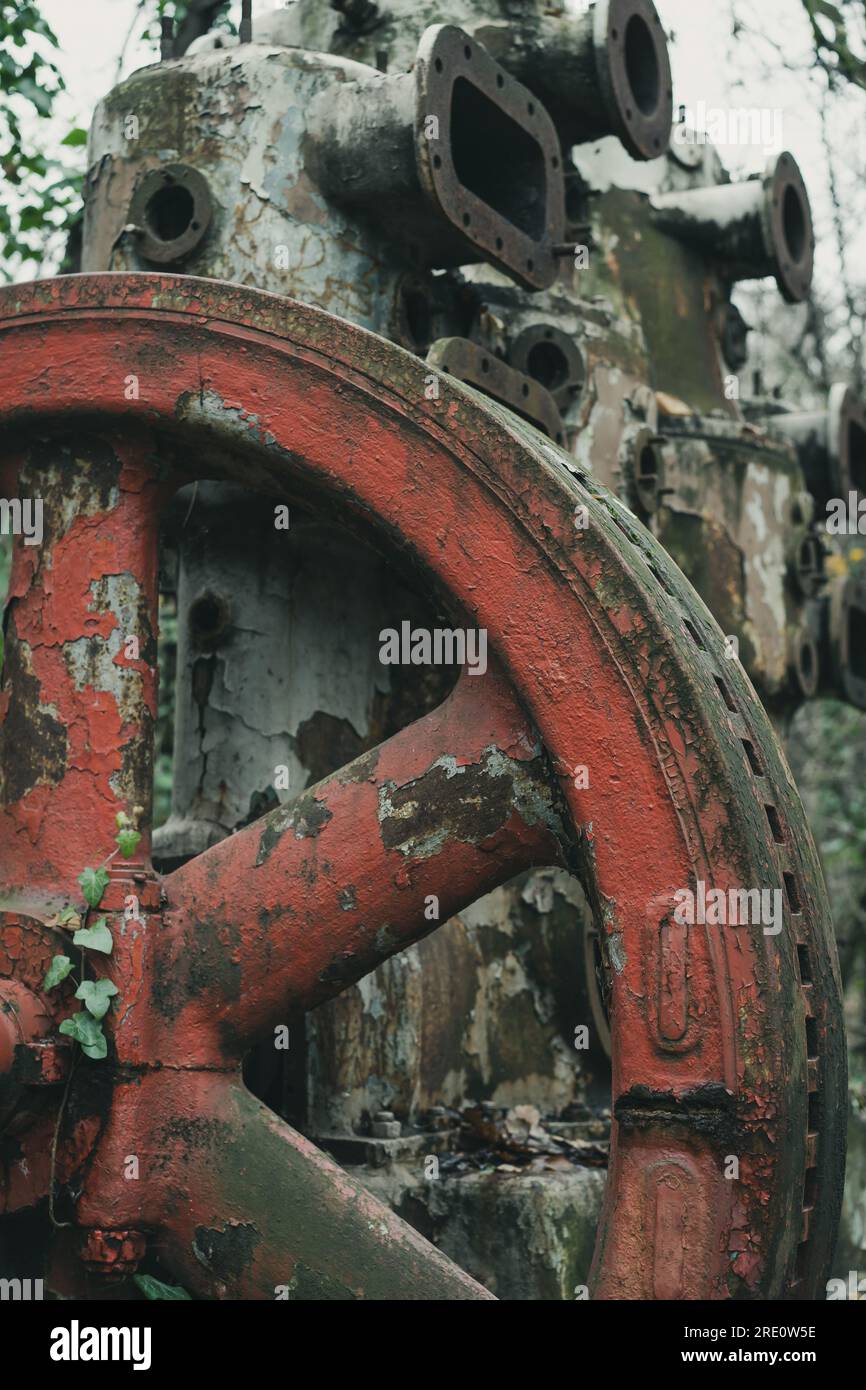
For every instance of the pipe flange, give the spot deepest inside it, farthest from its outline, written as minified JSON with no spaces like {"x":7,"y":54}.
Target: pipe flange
{"x":634,"y":74}
{"x":171,"y":210}
{"x":788,"y":232}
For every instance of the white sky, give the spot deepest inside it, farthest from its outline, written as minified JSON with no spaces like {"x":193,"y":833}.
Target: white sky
{"x":91,"y":33}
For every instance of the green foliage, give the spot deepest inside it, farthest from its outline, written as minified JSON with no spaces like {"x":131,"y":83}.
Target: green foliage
{"x":45,"y":191}
{"x":128,"y":835}
{"x":44,"y":176}
{"x":96,"y":996}
{"x":87,"y":1031}
{"x":154,"y":1288}
{"x":57,"y":971}
{"x":93,"y":883}
{"x":127,"y":842}
{"x":95,"y":938}
{"x":5,"y":565}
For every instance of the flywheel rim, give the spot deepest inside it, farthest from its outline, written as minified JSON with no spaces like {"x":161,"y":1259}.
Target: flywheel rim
{"x":687,"y":730}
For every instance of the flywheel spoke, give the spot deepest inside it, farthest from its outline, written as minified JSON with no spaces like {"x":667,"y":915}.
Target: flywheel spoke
{"x":242,"y":1206}
{"x":314,"y":895}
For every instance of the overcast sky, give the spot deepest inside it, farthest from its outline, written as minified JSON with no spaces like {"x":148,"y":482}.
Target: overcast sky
{"x":707,"y":68}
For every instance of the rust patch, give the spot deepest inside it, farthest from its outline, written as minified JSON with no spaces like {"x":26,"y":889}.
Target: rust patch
{"x":33,"y":744}
{"x":227,"y":1252}
{"x":324,"y":743}
{"x":472,"y":803}
{"x":306,"y":817}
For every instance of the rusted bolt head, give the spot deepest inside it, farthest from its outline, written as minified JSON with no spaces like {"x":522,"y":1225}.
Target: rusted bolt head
{"x":113,"y":1254}
{"x":45,"y":1062}
{"x":385,"y":1126}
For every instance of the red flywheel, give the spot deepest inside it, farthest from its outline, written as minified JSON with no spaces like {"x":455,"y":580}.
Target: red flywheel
{"x":728,"y":1056}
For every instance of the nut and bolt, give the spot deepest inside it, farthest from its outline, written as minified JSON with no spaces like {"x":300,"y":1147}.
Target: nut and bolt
{"x":385,"y":1126}
{"x":45,"y":1062}
{"x":113,"y":1254}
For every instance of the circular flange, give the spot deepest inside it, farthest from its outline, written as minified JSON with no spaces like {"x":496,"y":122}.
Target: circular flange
{"x":787,"y":223}
{"x":171,"y":209}
{"x":634,"y":73}
{"x":552,"y":358}
{"x":846,"y":441}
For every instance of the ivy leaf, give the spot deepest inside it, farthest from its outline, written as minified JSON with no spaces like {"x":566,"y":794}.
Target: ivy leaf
{"x":57,"y":971}
{"x":121,"y":820}
{"x":96,"y":996}
{"x":95,"y":938}
{"x":76,"y":136}
{"x":93,"y":884}
{"x":88,"y":1032}
{"x":127,"y":842}
{"x":154,"y":1288}
{"x":69,"y":918}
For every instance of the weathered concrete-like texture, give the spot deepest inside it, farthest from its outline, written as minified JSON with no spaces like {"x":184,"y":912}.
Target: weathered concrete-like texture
{"x":522,"y":1236}
{"x":485,"y":1009}
{"x":277,"y":669}
{"x":239,"y":118}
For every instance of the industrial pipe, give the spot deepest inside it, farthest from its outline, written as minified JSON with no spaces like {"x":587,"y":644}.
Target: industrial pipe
{"x":759,"y":226}
{"x":468,"y":166}
{"x":831,"y":444}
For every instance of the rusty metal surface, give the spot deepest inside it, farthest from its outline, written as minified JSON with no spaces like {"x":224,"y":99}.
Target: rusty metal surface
{"x":757,"y":227}
{"x":601,"y":68}
{"x":471,"y":364}
{"x":617,"y":665}
{"x":484,"y":116}
{"x":313,"y":159}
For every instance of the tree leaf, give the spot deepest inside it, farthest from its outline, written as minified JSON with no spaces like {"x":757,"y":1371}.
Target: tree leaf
{"x":95,"y":938}
{"x":57,"y":971}
{"x":76,"y":136}
{"x":88,"y":1032}
{"x":93,"y":884}
{"x":127,"y":842}
{"x":96,"y":996}
{"x":154,"y":1288}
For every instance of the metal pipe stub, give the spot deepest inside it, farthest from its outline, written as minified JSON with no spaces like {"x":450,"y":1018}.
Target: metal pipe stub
{"x":759,"y":226}
{"x":170,"y":210}
{"x":551,"y":357}
{"x":634,"y":74}
{"x":847,"y":634}
{"x":477,"y":367}
{"x":468,"y":164}
{"x":831,"y":444}
{"x":603,"y":72}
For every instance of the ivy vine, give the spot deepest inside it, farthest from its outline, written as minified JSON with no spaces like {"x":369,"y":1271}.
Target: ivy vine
{"x":85,"y":1027}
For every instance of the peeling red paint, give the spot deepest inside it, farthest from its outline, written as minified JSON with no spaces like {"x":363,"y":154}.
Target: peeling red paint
{"x":593,"y":664}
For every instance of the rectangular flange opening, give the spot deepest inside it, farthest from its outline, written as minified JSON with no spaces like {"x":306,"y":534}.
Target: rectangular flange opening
{"x":497,"y":160}
{"x":493,"y":164}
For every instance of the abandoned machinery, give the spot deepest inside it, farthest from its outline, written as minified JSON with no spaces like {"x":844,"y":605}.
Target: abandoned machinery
{"x":404,"y":273}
